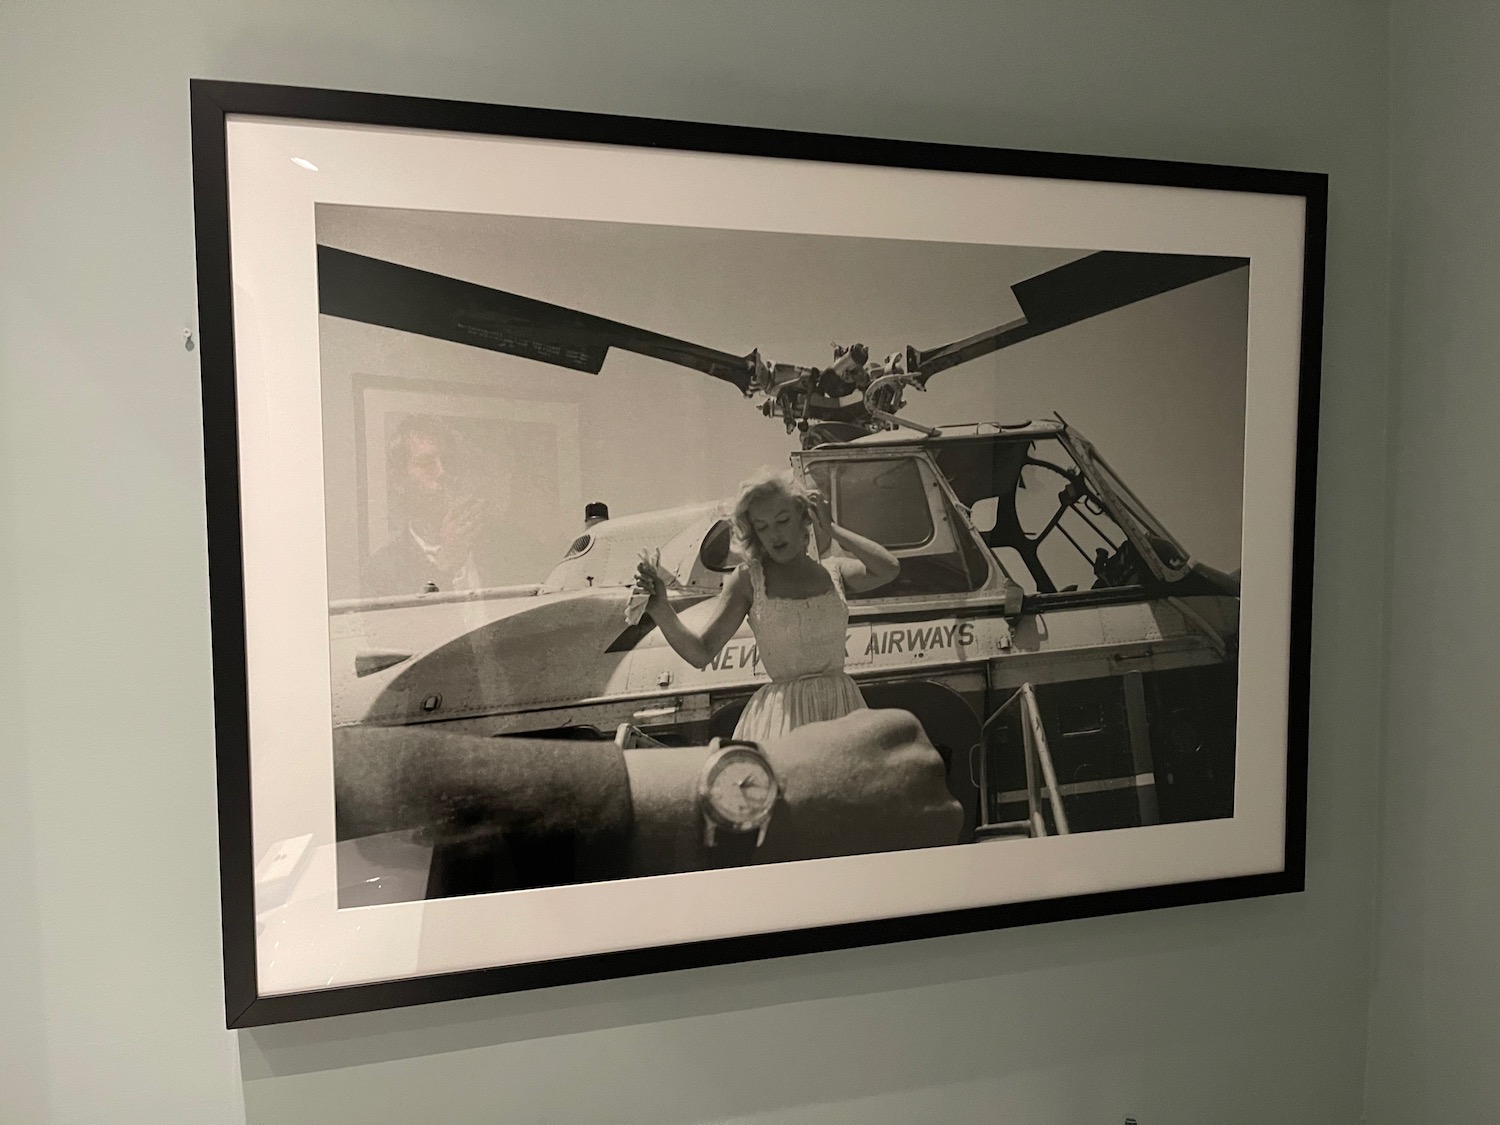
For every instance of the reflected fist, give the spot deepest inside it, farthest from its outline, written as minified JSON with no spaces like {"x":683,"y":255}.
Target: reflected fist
{"x":869,"y":782}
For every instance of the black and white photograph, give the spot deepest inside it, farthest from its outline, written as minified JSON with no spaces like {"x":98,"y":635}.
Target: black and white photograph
{"x":656,"y":549}
{"x":638,"y":546}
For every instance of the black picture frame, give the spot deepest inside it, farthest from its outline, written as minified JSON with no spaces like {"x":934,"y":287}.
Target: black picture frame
{"x":215,"y":104}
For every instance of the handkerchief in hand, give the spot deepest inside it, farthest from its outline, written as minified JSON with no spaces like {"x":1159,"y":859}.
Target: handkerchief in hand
{"x":635,"y":609}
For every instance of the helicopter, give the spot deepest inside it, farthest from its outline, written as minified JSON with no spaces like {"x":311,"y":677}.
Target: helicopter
{"x":1068,"y":657}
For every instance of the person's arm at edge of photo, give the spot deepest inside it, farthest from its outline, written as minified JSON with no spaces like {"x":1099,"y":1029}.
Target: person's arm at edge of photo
{"x":868,"y":782}
{"x":460,"y":787}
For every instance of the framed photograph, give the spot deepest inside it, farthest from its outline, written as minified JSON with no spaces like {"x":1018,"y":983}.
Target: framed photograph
{"x":640,"y":544}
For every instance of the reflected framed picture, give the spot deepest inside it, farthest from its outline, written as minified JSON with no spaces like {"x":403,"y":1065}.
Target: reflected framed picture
{"x":521,"y":456}
{"x":639,"y":544}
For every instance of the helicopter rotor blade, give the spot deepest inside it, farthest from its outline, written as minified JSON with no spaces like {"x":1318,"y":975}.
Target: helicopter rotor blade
{"x":1083,"y":288}
{"x":374,"y":291}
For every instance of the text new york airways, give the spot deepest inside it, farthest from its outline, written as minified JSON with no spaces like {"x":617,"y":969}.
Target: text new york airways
{"x":882,"y":641}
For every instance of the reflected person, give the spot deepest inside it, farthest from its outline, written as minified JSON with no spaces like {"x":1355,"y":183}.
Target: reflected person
{"x":434,"y":506}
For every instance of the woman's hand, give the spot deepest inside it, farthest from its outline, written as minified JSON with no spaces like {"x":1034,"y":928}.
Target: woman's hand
{"x":712,"y":626}
{"x":458,"y":531}
{"x":866,"y":565}
{"x":822,"y":521}
{"x":650,"y":583}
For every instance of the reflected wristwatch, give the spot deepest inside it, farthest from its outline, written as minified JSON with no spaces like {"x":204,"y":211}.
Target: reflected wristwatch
{"x":737,"y":793}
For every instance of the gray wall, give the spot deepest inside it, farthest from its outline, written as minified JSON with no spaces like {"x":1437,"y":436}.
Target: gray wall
{"x":1241,"y":1012}
{"x":1435,"y":1015}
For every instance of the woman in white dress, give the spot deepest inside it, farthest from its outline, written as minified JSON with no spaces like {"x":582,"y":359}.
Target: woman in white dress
{"x":795,"y":604}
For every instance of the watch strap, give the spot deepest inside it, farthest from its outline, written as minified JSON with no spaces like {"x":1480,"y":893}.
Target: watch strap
{"x":732,"y":849}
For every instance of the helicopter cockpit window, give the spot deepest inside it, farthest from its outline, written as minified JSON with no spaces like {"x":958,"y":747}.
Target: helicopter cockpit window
{"x":984,"y":517}
{"x":714,"y":553}
{"x":1167,"y":549}
{"x":896,"y":502}
{"x":883,"y":500}
{"x":1068,"y":541}
{"x":1032,"y":506}
{"x":1070,"y":533}
{"x":1046,"y":525}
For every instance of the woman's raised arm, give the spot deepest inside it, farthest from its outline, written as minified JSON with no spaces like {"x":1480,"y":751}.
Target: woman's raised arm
{"x":868,"y":566}
{"x":697,"y":647}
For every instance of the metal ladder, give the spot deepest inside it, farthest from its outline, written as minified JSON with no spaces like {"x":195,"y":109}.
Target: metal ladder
{"x":1039,"y":775}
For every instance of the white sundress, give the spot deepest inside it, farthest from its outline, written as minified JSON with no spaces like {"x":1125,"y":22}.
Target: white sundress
{"x":800,"y":642}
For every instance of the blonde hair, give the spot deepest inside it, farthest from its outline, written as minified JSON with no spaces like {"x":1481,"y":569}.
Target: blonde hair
{"x":763,"y":486}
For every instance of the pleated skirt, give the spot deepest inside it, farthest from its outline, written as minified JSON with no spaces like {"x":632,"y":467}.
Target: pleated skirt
{"x":781,"y":707}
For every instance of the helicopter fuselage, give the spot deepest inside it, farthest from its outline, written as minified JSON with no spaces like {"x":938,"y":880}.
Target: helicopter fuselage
{"x":1133,"y":670}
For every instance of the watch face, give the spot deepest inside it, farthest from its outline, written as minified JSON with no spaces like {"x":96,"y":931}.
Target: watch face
{"x":740,"y":789}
